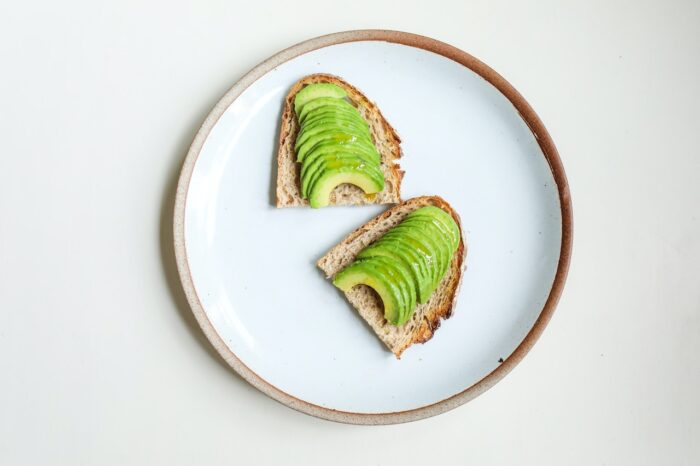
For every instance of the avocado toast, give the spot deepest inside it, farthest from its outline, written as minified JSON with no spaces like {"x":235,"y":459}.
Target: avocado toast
{"x":335,"y":147}
{"x":422,"y":306}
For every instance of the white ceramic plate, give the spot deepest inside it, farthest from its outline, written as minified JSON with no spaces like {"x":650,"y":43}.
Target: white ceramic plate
{"x":248,"y":267}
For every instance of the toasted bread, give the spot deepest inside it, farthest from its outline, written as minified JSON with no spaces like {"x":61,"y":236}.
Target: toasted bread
{"x":426,"y":318}
{"x":384,"y":136}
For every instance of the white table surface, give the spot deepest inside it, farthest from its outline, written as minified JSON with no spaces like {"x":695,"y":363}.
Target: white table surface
{"x":101,"y":361}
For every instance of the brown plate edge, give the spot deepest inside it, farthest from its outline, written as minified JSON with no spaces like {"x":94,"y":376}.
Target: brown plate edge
{"x":529,"y":116}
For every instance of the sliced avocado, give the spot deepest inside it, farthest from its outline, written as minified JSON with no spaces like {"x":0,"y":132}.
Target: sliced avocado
{"x":401,"y":276}
{"x":315,"y":91}
{"x":445,"y":226}
{"x":431,"y":233}
{"x":401,"y":252}
{"x":323,"y":102}
{"x":362,"y":151}
{"x":419,"y":262}
{"x":318,"y":161}
{"x":339,"y":153}
{"x":330,"y":124}
{"x":323,"y":185}
{"x":331,"y":130}
{"x":341,"y":107}
{"x":343,"y":112}
{"x":434,"y":248}
{"x":444,"y":249}
{"x":336,"y":142}
{"x":421,"y":247}
{"x":329,"y":163}
{"x":441,"y":231}
{"x":443,"y":218}
{"x":338,"y":138}
{"x":335,"y":119}
{"x":311,"y":170}
{"x":311,"y":162}
{"x":450,"y":229}
{"x":367,"y":273}
{"x":433,"y":211}
{"x":424,"y":244}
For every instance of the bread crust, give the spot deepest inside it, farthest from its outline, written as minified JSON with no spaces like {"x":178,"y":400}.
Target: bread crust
{"x":427,"y":317}
{"x":387,"y":141}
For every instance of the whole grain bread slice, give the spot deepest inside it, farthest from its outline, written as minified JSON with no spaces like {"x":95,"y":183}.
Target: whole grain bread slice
{"x":384,"y":136}
{"x":426,"y":318}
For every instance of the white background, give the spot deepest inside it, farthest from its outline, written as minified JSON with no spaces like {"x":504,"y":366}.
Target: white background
{"x":101,"y":361}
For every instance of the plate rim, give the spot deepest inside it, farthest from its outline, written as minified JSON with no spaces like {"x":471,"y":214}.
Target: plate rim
{"x":526,"y":112}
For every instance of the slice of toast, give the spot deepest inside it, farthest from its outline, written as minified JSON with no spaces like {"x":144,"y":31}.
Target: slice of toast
{"x":426,"y":318}
{"x":384,"y":136}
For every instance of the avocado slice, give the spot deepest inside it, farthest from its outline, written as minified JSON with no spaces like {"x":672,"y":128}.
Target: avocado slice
{"x":321,"y":166}
{"x":330,"y":124}
{"x":338,"y":138}
{"x":433,"y":247}
{"x":339,"y":155}
{"x":362,"y":151}
{"x":441,"y":231}
{"x":323,"y":184}
{"x":335,"y":119}
{"x":419,"y":262}
{"x":323,"y":102}
{"x":346,"y":110}
{"x":444,"y":223}
{"x":423,"y":266}
{"x":402,"y":253}
{"x":311,"y":170}
{"x":330,"y":130}
{"x":446,"y":252}
{"x":315,"y":91}
{"x":401,"y":276}
{"x":431,"y":233}
{"x":422,"y":248}
{"x":443,"y":218}
{"x":336,"y":142}
{"x":367,"y":273}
